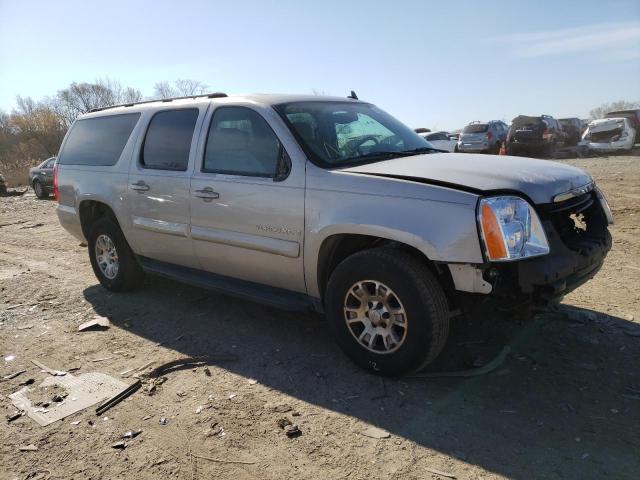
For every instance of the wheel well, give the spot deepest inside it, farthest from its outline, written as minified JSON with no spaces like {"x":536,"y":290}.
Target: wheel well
{"x":336,"y":248}
{"x":92,"y":210}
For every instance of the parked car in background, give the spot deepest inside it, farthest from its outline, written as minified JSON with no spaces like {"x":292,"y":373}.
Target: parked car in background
{"x":534,"y":136}
{"x":441,"y":140}
{"x":634,"y":120}
{"x":41,"y":178}
{"x":483,"y":137}
{"x":609,"y":135}
{"x":573,"y":129}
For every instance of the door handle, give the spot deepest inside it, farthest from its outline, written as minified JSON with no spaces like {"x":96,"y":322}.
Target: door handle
{"x":140,"y":186}
{"x":207,"y":193}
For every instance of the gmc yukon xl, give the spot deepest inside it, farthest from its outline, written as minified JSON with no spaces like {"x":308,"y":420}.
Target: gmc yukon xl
{"x":325,"y":203}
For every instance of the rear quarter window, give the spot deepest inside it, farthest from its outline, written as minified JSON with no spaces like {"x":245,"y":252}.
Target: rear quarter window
{"x":476,"y":128}
{"x":168,"y":140}
{"x":98,"y":141}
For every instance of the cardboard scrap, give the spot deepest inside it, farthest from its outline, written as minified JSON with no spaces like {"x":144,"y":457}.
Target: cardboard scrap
{"x":83,"y":391}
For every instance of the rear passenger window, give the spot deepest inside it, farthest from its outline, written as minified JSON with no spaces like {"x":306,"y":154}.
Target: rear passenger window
{"x":98,"y":141}
{"x":168,"y":140}
{"x":241,"y":142}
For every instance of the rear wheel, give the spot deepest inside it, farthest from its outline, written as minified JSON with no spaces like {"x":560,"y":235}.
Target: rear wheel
{"x":39,"y":189}
{"x":387,"y":311}
{"x":113,"y":262}
{"x":549,"y":150}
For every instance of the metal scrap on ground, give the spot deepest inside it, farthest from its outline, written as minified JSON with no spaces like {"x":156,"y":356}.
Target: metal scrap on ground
{"x":118,"y":397}
{"x":375,"y":432}
{"x":97,"y":323}
{"x":50,"y":371}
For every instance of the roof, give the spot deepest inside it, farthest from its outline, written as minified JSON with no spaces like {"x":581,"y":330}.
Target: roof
{"x":263,"y":99}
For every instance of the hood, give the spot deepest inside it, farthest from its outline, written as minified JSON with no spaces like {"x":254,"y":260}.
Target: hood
{"x":605,"y":124}
{"x":540,"y":180}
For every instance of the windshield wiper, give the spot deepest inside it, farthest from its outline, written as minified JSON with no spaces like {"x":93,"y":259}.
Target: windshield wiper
{"x":377,"y":155}
{"x":422,"y":150}
{"x":391,"y":153}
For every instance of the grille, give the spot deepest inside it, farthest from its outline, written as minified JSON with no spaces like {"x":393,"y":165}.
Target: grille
{"x":579,"y":222}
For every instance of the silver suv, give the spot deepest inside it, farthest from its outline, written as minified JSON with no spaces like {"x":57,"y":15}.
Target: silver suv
{"x":483,"y":137}
{"x":326,"y":203}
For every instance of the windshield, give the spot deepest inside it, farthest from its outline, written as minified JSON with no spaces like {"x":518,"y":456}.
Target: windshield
{"x":337,"y":134}
{"x":476,"y":128}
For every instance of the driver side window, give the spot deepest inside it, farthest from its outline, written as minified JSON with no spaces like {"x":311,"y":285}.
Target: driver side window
{"x":241,"y":142}
{"x":360,"y":134}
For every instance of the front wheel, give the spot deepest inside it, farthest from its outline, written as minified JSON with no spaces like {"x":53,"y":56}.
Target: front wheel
{"x":113,"y":262}
{"x":387,"y":311}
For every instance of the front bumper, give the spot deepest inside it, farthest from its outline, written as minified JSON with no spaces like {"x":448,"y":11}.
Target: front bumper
{"x":610,"y":147}
{"x":576,"y":254}
{"x":564,"y":270}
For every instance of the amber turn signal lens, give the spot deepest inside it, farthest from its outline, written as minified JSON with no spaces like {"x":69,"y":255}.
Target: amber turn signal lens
{"x":492,"y":234}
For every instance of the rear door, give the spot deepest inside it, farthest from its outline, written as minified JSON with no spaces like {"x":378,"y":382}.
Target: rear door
{"x":159,"y":182}
{"x":46,"y":172}
{"x":247,"y":202}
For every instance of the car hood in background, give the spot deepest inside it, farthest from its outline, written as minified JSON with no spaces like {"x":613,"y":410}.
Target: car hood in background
{"x":540,"y":180}
{"x":606,"y":124}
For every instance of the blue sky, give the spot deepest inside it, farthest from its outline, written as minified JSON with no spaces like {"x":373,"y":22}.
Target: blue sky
{"x":435,"y":64}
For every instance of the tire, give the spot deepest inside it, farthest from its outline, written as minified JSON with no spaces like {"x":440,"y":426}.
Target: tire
{"x":39,"y":190}
{"x":413,"y":288}
{"x":128,"y":274}
{"x":549,"y":150}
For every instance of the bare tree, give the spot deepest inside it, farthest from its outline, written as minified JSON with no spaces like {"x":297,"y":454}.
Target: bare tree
{"x":80,"y":98}
{"x":163,"y":90}
{"x":190,"y":87}
{"x":600,"y":112}
{"x":180,"y":88}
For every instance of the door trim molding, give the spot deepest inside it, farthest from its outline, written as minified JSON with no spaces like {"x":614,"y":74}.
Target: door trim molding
{"x":161,"y":226}
{"x":286,"y":248}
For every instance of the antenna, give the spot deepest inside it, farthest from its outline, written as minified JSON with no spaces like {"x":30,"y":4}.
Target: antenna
{"x":353,"y":95}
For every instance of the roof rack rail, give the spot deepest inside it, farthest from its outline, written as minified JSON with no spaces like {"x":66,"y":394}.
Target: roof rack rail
{"x":131,"y":104}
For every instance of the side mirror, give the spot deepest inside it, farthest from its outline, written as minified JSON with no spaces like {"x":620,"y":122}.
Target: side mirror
{"x":283,"y":168}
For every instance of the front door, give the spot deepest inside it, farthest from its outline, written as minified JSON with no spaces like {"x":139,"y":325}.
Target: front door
{"x":247,"y":202}
{"x":159,"y":181}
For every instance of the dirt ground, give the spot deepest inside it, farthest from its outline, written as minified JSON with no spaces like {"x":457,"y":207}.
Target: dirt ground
{"x":564,"y":404}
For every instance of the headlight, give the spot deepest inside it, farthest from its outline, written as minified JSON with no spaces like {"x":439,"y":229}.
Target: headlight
{"x":510,"y":229}
{"x":605,"y":206}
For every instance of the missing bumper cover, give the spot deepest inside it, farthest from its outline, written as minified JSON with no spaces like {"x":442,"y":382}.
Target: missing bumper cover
{"x":468,"y":278}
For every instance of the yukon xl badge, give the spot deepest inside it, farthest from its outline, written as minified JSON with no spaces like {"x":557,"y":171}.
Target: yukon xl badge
{"x":272,"y":229}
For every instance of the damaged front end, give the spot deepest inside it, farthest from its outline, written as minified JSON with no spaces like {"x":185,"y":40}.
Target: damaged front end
{"x":576,"y":228}
{"x":610,"y":134}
